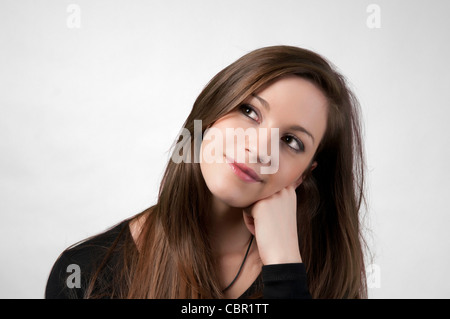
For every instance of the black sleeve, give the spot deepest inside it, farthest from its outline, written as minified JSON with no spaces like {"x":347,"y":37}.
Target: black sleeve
{"x":285,"y":281}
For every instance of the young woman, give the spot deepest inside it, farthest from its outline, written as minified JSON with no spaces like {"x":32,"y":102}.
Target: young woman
{"x":223,"y":229}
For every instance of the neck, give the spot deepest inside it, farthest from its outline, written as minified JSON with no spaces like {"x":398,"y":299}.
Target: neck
{"x":228,"y":231}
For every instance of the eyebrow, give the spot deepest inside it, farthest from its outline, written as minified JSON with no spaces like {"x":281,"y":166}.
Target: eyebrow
{"x":293,"y":127}
{"x":262,"y":101}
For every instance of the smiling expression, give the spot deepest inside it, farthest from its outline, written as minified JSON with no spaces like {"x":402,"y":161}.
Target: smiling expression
{"x":293,"y":105}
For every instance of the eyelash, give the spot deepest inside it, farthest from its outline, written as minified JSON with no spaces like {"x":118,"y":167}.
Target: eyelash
{"x":300,"y":144}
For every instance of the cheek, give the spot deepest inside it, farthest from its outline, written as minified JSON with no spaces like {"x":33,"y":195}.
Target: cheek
{"x":210,"y":173}
{"x":221,"y":139}
{"x":211,"y":147}
{"x":224,"y":185}
{"x":288,"y":172}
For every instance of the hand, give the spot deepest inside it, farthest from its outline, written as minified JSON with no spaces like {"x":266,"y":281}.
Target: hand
{"x":273,"y":222}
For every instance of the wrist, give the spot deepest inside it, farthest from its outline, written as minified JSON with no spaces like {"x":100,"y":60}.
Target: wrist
{"x":283,"y":260}
{"x":282,"y":257}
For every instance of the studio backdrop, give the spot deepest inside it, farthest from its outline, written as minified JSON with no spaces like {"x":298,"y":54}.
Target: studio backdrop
{"x":94,"y":92}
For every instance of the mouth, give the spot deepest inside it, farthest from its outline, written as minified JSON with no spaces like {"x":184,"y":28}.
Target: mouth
{"x":244,"y":172}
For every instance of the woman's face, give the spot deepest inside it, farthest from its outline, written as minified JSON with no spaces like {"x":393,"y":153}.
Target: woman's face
{"x":287,"y":102}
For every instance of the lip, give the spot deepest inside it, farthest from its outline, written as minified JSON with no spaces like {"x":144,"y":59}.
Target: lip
{"x":244,"y":172}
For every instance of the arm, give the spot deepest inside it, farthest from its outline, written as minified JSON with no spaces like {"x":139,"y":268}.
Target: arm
{"x":285,"y":281}
{"x":275,"y":229}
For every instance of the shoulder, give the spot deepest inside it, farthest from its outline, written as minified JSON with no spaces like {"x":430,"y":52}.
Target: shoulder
{"x":72,"y":269}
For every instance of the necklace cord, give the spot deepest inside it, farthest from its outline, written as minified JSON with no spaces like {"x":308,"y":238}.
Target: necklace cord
{"x":242,"y":264}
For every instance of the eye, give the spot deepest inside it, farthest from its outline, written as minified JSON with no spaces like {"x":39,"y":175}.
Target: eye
{"x":248,"y":109}
{"x":292,"y":140}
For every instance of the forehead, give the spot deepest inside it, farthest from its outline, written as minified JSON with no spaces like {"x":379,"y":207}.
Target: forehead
{"x":297,"y":90}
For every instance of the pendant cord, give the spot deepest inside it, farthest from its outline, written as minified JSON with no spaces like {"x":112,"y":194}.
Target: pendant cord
{"x":240,"y":268}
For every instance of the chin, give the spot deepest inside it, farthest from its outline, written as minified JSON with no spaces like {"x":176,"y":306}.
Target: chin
{"x":233,"y":198}
{"x":229,"y":194}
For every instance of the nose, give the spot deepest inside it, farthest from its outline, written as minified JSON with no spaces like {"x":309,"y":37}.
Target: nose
{"x":255,"y":157}
{"x":259,"y":149}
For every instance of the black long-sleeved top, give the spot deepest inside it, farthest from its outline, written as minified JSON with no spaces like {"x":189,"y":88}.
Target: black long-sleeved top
{"x":280,"y":281}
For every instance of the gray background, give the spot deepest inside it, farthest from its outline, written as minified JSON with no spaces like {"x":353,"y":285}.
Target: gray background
{"x":87,"y":116}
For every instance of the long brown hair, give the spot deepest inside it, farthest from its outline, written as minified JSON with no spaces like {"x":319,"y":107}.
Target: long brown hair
{"x":174,"y":259}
